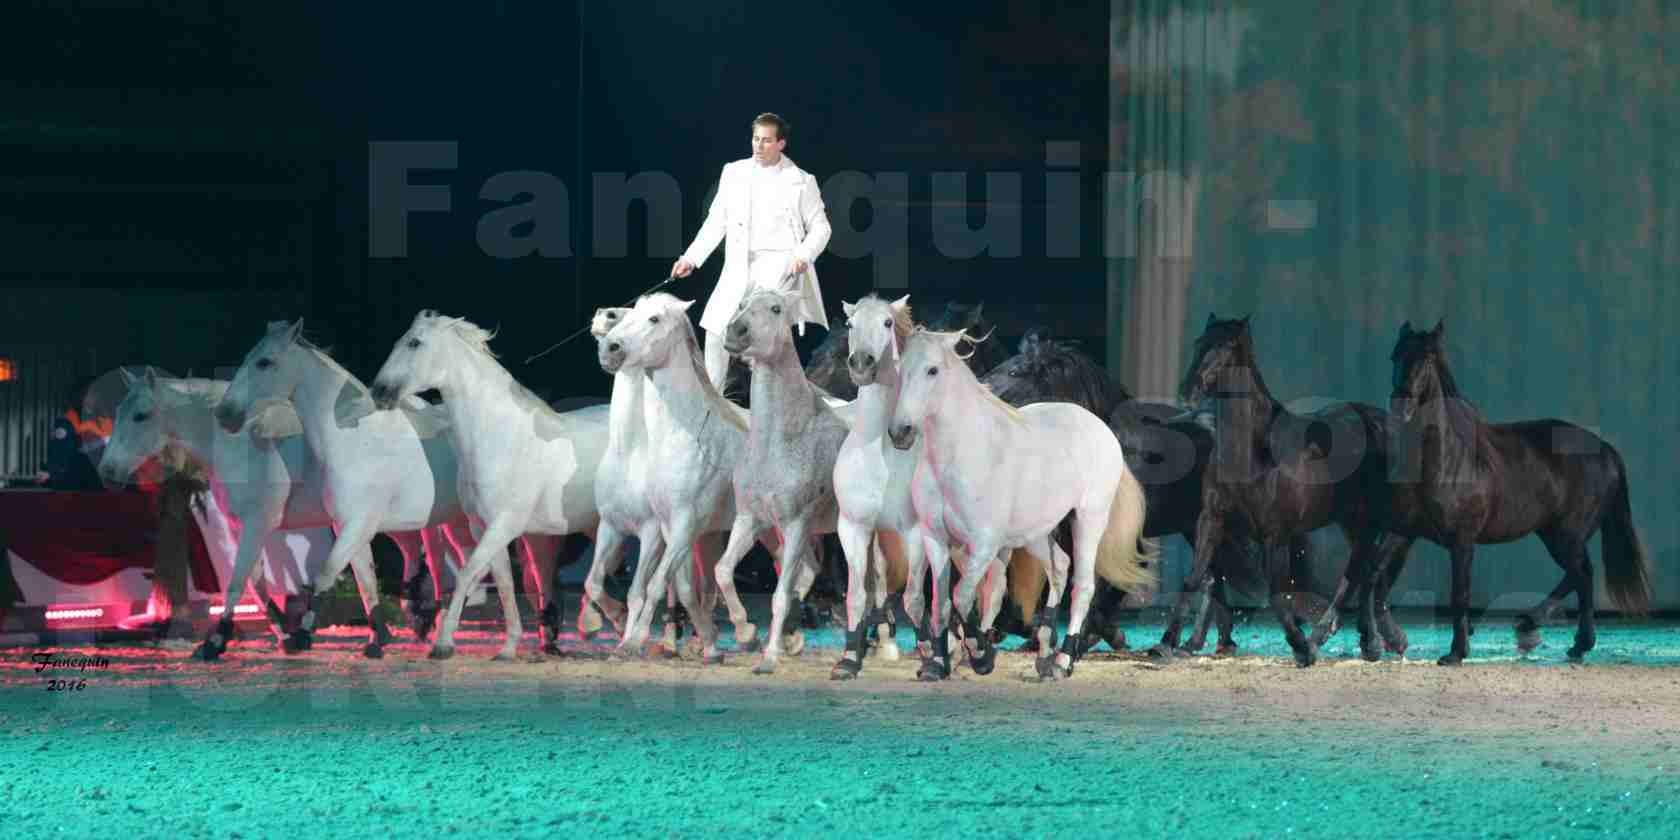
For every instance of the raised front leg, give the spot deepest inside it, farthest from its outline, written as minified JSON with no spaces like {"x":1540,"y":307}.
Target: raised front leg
{"x":367,"y":584}
{"x":741,"y":534}
{"x":250,"y":548}
{"x":1283,"y":605}
{"x":678,"y":538}
{"x":352,"y":537}
{"x":609,"y":556}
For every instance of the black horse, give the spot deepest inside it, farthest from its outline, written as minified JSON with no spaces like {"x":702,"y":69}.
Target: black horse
{"x":1459,"y":481}
{"x":1167,"y":451}
{"x":1276,"y":476}
{"x":971,"y":318}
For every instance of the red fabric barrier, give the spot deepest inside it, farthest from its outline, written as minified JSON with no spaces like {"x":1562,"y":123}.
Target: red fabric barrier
{"x":83,"y":538}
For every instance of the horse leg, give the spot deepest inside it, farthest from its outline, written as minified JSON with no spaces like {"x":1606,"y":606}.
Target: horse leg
{"x":793,"y":559}
{"x":651,"y":550}
{"x":855,"y":542}
{"x":980,"y":558}
{"x":250,"y":548}
{"x":913,"y":599}
{"x":677,"y":543}
{"x":1528,"y":624}
{"x":1087,"y":535}
{"x":609,"y":555}
{"x":741,"y":535}
{"x":351,"y":538}
{"x":684,"y":582}
{"x":1570,"y":552}
{"x":367,"y":583}
{"x":489,"y":553}
{"x":1210,"y":532}
{"x":983,"y":657}
{"x":1389,"y":558}
{"x":1283,"y":606}
{"x":937,"y":665}
{"x":890,"y":560}
{"x":1462,"y":554}
{"x":542,"y":559}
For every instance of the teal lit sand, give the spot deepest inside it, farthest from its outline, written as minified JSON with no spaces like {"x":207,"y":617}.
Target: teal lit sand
{"x":330,"y":744}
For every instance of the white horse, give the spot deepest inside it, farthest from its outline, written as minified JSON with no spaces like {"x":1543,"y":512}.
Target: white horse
{"x":264,"y":477}
{"x":385,"y":470}
{"x":692,"y":488}
{"x":524,"y":468}
{"x":872,"y":485}
{"x":991,"y":477}
{"x":636,"y":421}
{"x":784,"y":478}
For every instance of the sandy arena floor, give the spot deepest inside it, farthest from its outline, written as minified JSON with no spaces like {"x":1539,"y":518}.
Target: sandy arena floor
{"x":329,"y":744}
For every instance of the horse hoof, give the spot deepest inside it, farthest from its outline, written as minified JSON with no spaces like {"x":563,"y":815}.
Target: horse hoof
{"x":1225,"y":650}
{"x":373,"y":651}
{"x":765,"y":665}
{"x":422,"y":623}
{"x":1450,"y":660}
{"x":1194,"y":645}
{"x":1576,"y":654}
{"x":1162,"y":652}
{"x":441,"y":652}
{"x":504,"y":656}
{"x":1370,"y":653}
{"x":793,"y":644}
{"x":932,"y":671}
{"x":1308,"y":657}
{"x":660,"y":650}
{"x":298,"y":642}
{"x":845,"y":669}
{"x":1048,"y":670}
{"x":1527,"y":640}
{"x":206,"y":652}
{"x":714,"y":659}
{"x":986,"y":661}
{"x":552,"y":649}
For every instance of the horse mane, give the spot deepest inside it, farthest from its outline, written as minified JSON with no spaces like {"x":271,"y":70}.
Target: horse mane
{"x":473,"y":335}
{"x":985,"y":390}
{"x":1041,"y":353}
{"x":428,"y":422}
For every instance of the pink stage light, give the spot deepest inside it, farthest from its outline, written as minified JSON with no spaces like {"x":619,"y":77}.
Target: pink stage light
{"x":247,"y":608}
{"x":70,"y":613}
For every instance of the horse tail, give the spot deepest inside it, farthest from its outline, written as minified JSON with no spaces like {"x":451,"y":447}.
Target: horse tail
{"x":1627,"y":566}
{"x":1026,"y":582}
{"x":1124,"y":557}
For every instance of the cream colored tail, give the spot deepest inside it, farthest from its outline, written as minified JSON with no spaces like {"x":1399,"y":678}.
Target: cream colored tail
{"x":1124,"y":558}
{"x":1026,"y":582}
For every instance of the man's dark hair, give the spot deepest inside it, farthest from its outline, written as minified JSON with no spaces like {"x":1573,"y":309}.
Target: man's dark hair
{"x":769,"y":119}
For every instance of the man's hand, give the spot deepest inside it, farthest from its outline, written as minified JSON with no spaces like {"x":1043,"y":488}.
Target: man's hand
{"x":797,"y":266}
{"x":682,"y":268}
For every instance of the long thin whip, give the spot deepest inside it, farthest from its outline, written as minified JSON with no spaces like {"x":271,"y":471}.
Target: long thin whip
{"x":585,"y":328}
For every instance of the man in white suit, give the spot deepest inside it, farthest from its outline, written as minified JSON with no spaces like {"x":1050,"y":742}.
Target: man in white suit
{"x":771,"y":215}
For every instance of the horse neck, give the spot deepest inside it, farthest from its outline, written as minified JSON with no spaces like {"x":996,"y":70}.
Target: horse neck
{"x":478,"y":399}
{"x":317,"y":398}
{"x":1458,"y":430}
{"x":626,"y":426}
{"x":967,"y":428}
{"x":783,"y":401}
{"x":1243,"y":419}
{"x":682,"y":396}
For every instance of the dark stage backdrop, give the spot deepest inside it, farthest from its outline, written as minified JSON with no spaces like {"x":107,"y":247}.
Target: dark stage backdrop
{"x":1336,"y":169}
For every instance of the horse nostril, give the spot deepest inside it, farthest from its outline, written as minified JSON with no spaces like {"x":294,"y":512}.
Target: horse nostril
{"x":868,"y":360}
{"x":740,"y":329}
{"x":613,"y":347}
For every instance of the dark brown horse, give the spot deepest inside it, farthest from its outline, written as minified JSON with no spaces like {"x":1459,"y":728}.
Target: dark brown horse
{"x":1277,"y":476}
{"x":1167,"y":453}
{"x":1459,"y":481}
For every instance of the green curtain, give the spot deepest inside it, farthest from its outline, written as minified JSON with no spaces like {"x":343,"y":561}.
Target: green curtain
{"x":1502,"y":165}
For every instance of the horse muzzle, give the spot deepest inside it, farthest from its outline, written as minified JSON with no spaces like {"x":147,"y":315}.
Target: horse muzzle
{"x":384,"y":396}
{"x":611,"y":356}
{"x":862,"y":367}
{"x":902,"y":435}
{"x":229,"y":418}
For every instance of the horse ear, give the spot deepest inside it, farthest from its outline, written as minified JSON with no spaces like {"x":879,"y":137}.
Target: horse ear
{"x":1246,"y":317}
{"x":979,"y":312}
{"x":1405,"y":329}
{"x":1212,"y":319}
{"x":1440,"y":328}
{"x":683,"y":305}
{"x":898,"y":305}
{"x":151,"y":377}
{"x":129,"y":379}
{"x":295,"y":330}
{"x":848,"y":308}
{"x":951,"y":340}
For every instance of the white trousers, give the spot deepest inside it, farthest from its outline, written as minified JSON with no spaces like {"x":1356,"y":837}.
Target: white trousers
{"x":765,"y":270}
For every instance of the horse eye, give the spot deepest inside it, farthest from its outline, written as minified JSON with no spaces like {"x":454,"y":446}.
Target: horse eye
{"x":414,"y":344}
{"x":933,"y":371}
{"x":654,"y":320}
{"x":142,"y":417}
{"x":887,"y":323}
{"x":776,"y":310}
{"x":264,"y":364}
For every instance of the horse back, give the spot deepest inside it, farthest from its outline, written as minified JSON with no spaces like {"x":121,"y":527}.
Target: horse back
{"x":1546,"y":468}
